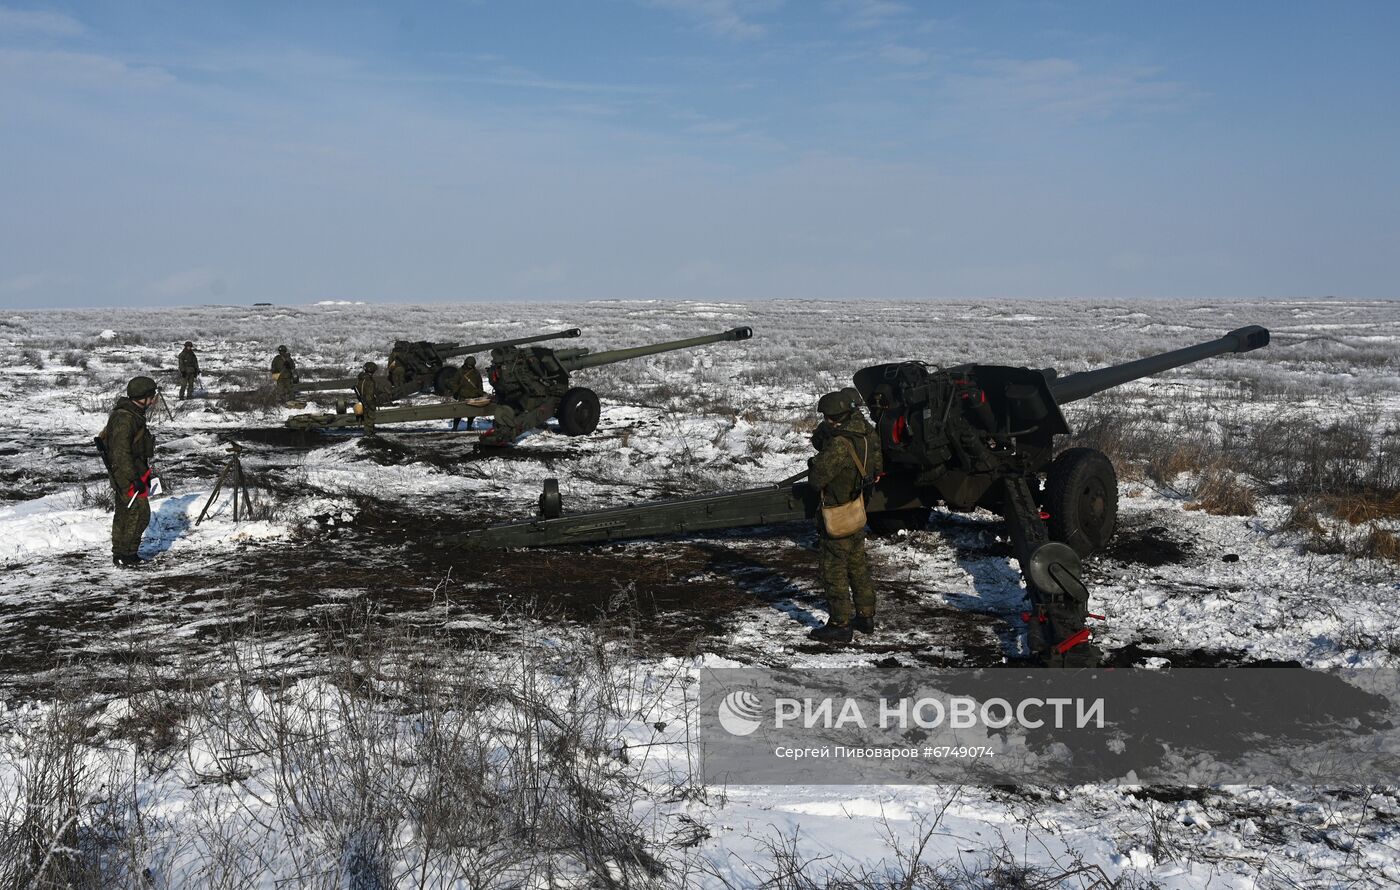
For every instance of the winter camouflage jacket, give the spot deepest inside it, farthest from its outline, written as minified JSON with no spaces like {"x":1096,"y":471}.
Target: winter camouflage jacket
{"x":467,"y":384}
{"x":832,"y":471}
{"x":370,"y":389}
{"x":189,"y":363}
{"x":130,"y":446}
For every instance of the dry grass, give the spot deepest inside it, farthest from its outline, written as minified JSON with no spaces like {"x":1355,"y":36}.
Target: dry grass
{"x":1220,"y":493}
{"x":1359,"y":508}
{"x":1381,"y":544}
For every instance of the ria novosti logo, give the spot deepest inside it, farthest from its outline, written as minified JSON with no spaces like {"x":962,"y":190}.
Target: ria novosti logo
{"x":740,"y":712}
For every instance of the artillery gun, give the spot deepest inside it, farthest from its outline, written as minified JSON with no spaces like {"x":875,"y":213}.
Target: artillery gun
{"x":424,"y":365}
{"x":531,"y":383}
{"x":965,"y":437}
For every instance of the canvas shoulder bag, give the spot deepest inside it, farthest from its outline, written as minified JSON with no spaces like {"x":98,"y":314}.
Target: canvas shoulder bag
{"x":844,"y":520}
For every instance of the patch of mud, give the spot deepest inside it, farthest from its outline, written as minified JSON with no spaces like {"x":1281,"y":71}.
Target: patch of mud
{"x":281,"y":437}
{"x":1137,"y":653}
{"x":1147,"y":545}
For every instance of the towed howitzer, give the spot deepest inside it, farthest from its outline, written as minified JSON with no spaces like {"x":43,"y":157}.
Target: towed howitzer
{"x":424,"y":365}
{"x":522,"y":376}
{"x":965,"y":437}
{"x":537,"y":376}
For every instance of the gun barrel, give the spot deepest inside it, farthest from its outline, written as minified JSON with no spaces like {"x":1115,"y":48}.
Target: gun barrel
{"x":452,"y":350}
{"x":1082,"y":385}
{"x":319,"y":385}
{"x":729,"y":509}
{"x":593,"y":360}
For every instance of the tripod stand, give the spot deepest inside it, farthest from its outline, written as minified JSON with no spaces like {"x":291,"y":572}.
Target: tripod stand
{"x":233,"y":473}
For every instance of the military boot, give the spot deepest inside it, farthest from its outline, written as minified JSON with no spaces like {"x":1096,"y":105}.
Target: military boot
{"x":831,"y":633}
{"x":863,"y":623}
{"x":128,"y":561}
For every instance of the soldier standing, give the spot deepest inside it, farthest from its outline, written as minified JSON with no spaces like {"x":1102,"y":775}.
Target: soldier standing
{"x":398,"y":374}
{"x":366,"y":388}
{"x":467,"y":385}
{"x":127,"y":448}
{"x":527,"y":395}
{"x":284,"y":371}
{"x":189,"y":371}
{"x":848,"y":459}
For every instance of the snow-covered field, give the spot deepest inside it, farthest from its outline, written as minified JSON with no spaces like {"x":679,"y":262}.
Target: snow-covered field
{"x":290,"y":698}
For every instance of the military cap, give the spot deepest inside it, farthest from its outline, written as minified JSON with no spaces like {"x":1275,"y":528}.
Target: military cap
{"x":836,"y":404}
{"x":371,"y":367}
{"x":281,"y":349}
{"x":498,"y":355}
{"x":189,"y":344}
{"x":140,"y":387}
{"x":470,"y":362}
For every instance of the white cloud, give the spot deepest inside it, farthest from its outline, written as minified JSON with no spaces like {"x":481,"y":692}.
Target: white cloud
{"x":866,"y":14}
{"x":26,"y":68}
{"x":1064,"y":88}
{"x":724,"y":18}
{"x":32,"y":21}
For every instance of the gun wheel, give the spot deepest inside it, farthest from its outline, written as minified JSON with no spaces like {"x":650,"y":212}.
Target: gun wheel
{"x":1082,"y":499}
{"x":578,"y":412}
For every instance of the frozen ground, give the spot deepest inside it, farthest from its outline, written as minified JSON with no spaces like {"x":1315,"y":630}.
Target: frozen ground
{"x":343,"y":539}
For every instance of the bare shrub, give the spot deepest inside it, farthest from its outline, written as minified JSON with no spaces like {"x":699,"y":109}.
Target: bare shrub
{"x":95,"y":496}
{"x":1220,"y":493}
{"x":1303,"y":518}
{"x":1381,"y":544}
{"x":33,"y":357}
{"x":1362,"y":507}
{"x":264,"y":399}
{"x":54,"y":786}
{"x":76,"y":358}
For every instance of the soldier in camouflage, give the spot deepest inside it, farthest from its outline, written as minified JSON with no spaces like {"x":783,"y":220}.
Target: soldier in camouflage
{"x":398,"y":374}
{"x":466,"y":384}
{"x":848,"y":459}
{"x":367,"y":387}
{"x":526,"y":394}
{"x":284,"y":371}
{"x":127,"y":448}
{"x":189,"y":371}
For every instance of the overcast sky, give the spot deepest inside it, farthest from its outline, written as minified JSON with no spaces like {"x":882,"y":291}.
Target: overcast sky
{"x":184,"y":152}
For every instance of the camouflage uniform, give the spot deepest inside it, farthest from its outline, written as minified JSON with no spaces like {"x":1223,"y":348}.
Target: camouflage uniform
{"x":526,"y":394}
{"x":284,"y":371}
{"x":189,"y":370}
{"x":398,"y":374}
{"x":844,"y":572}
{"x":130,"y":447}
{"x":369,"y":390}
{"x":466,"y":384}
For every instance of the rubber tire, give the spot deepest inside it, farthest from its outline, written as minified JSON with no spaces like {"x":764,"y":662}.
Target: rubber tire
{"x":551,"y":503}
{"x":888,"y":523}
{"x":1081,"y":496}
{"x":578,"y":412}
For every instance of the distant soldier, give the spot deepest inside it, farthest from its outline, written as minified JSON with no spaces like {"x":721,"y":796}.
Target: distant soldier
{"x":848,"y":460}
{"x":127,"y":448}
{"x":467,"y":384}
{"x":367,"y":388}
{"x":189,"y":371}
{"x":398,"y":374}
{"x":284,"y":371}
{"x":527,"y":394}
